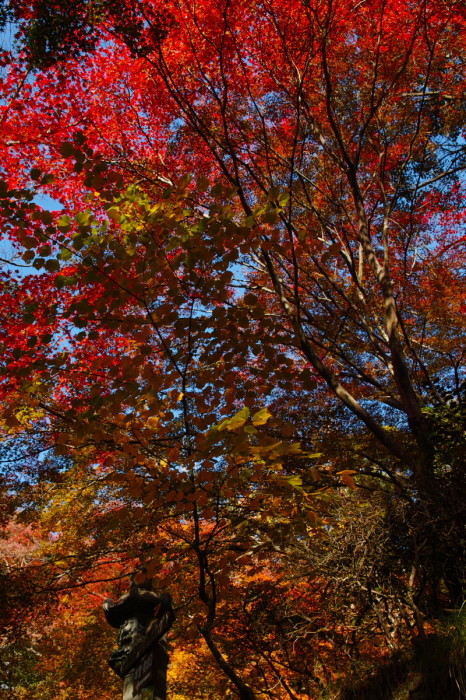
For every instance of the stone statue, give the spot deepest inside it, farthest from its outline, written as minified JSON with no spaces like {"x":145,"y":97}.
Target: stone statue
{"x":142,"y":618}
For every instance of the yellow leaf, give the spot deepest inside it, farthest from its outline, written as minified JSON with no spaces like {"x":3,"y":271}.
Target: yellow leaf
{"x":295,"y":481}
{"x":261,"y":417}
{"x":236,"y":421}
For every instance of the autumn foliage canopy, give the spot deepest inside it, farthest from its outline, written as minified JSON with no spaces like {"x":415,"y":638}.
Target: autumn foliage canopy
{"x":233,"y":341}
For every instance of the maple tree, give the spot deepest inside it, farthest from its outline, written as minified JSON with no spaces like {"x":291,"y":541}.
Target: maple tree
{"x":251,"y":299}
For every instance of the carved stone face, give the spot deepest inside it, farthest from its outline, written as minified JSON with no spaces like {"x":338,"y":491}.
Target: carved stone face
{"x":130,"y":632}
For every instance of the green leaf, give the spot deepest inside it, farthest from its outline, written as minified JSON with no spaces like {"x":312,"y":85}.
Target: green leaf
{"x":83,"y":218}
{"x":65,"y":254}
{"x":52,"y":265}
{"x":59,"y":281}
{"x":64,"y":221}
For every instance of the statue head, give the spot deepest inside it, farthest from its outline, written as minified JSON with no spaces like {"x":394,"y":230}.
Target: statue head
{"x":131,"y":631}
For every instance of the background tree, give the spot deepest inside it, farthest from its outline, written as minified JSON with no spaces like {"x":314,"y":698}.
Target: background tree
{"x":320,"y":276}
